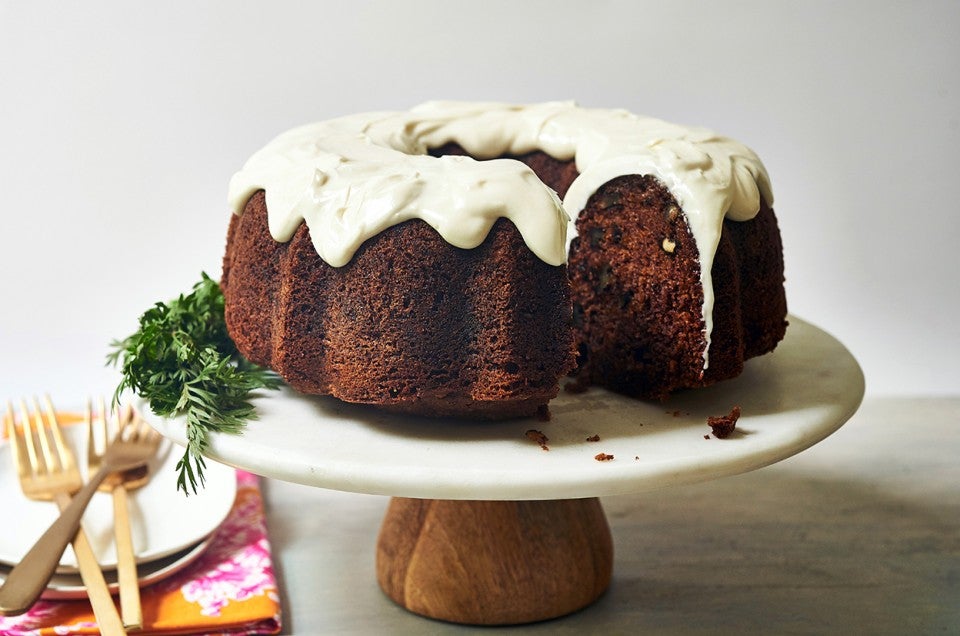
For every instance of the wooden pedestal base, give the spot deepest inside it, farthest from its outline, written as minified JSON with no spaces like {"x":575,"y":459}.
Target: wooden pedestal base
{"x":494,"y":562}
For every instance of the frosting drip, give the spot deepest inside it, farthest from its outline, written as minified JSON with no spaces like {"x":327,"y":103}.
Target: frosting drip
{"x":350,"y":178}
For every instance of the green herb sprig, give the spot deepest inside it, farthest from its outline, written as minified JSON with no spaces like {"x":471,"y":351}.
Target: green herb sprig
{"x":182,"y":362}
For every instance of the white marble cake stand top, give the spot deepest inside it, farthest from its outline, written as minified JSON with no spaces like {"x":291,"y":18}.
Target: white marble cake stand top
{"x":790,"y":400}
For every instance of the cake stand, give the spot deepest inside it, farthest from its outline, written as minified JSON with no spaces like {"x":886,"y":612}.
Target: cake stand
{"x":500,"y":523}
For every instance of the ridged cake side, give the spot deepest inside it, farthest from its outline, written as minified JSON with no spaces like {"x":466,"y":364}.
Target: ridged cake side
{"x":411,"y":324}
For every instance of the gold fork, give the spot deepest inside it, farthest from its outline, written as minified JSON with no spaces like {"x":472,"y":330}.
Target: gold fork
{"x":118,"y":484}
{"x":133,"y":449}
{"x":50,"y":473}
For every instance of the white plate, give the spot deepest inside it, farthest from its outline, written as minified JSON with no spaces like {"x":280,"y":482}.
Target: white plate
{"x":163,"y":519}
{"x":70,"y":586}
{"x":791,"y":399}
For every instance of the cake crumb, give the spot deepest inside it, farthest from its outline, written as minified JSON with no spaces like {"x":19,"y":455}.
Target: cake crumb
{"x":593,"y":438}
{"x":539,"y":438}
{"x":603,"y":457}
{"x":723,"y":425}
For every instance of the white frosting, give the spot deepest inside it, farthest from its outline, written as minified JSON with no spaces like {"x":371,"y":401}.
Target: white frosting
{"x":352,"y":177}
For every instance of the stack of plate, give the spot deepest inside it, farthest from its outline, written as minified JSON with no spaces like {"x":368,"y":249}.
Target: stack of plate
{"x":170,"y":530}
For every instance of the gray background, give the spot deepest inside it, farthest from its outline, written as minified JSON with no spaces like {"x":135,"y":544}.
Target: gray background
{"x":120,"y":124}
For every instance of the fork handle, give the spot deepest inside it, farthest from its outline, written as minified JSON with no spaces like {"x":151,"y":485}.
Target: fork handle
{"x":130,"y":607}
{"x":108,"y":620}
{"x":28,"y":578}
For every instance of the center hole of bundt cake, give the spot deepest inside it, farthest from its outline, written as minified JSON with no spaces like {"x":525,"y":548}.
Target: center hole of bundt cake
{"x":557,"y":174}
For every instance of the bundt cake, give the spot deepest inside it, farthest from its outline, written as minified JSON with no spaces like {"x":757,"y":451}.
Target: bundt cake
{"x":416,"y":260}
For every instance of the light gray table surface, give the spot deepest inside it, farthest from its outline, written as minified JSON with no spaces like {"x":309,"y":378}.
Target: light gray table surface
{"x":859,"y":534}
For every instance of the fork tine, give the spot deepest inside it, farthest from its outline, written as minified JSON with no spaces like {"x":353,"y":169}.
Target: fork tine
{"x":124,"y":422}
{"x":119,"y":422}
{"x":50,"y":461}
{"x":133,"y":422}
{"x":28,"y":442}
{"x":9,"y":428}
{"x":18,"y":452}
{"x":92,"y":457}
{"x":104,"y":429}
{"x":111,"y":425}
{"x":63,"y":451}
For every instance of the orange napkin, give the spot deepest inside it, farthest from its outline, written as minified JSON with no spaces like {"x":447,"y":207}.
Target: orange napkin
{"x":230,"y":589}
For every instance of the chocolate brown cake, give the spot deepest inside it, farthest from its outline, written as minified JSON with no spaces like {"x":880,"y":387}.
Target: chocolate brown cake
{"x":415,"y":261}
{"x":411,"y":324}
